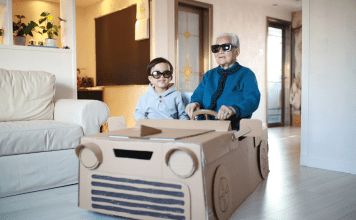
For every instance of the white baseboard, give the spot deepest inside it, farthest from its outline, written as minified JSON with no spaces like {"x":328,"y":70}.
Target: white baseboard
{"x":335,"y":165}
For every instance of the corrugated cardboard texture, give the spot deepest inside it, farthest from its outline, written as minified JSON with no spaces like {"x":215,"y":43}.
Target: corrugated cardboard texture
{"x":238,"y":162}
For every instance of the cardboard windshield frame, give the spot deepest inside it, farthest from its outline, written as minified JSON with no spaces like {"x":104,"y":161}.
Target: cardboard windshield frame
{"x":149,"y":189}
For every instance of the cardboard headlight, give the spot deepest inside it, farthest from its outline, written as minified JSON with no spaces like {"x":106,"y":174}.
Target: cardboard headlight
{"x":182,"y":162}
{"x":90,"y":155}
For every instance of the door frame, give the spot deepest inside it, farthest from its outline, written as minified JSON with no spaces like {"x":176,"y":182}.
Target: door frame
{"x":207,"y":14}
{"x":286,"y":72}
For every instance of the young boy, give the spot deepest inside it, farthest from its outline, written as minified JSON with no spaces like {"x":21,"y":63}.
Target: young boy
{"x":162,"y":100}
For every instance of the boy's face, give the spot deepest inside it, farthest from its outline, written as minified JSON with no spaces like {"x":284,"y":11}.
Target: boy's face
{"x":162,"y":82}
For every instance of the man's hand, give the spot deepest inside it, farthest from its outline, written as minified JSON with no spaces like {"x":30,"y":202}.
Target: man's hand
{"x":225,"y":112}
{"x":191,"y":108}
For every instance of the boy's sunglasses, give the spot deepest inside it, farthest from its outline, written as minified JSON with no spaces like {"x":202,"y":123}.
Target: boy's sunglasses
{"x":158,"y":74}
{"x":225,"y":47}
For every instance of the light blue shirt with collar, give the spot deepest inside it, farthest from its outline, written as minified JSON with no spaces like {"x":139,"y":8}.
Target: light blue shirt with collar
{"x":168,"y":105}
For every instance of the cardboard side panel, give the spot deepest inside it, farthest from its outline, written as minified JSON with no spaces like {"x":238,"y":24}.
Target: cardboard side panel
{"x":255,"y":126}
{"x":242,"y":167}
{"x":217,"y":147}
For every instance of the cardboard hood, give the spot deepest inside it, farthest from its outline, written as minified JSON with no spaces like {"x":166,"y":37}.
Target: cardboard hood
{"x":189,"y":170}
{"x":186,"y":124}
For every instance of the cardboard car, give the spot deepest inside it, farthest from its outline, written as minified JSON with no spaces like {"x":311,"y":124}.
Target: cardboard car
{"x":172,"y":169}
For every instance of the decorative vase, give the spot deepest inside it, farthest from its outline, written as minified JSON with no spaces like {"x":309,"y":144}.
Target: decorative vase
{"x":19,"y":40}
{"x":51,"y":42}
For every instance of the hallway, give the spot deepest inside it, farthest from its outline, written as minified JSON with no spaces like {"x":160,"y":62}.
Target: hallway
{"x":298,"y":192}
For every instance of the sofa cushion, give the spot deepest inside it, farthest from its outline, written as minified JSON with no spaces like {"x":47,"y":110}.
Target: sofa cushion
{"x":26,"y":95}
{"x":37,"y":136}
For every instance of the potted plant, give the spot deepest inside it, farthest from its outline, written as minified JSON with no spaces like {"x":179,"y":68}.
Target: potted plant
{"x":21,"y":30}
{"x":50,"y":28}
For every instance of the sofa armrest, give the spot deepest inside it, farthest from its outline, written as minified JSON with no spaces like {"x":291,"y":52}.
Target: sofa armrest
{"x":89,"y":114}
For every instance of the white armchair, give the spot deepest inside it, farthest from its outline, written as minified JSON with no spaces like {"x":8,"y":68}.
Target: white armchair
{"x":38,"y":135}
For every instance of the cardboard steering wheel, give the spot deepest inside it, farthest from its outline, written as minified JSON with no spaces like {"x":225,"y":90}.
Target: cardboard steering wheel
{"x":206,"y":113}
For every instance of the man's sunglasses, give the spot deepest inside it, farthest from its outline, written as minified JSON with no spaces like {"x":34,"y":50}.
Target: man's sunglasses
{"x":158,"y":74}
{"x":225,"y":47}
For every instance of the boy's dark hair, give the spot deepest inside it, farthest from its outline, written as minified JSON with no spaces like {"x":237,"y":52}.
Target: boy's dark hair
{"x":157,"y":61}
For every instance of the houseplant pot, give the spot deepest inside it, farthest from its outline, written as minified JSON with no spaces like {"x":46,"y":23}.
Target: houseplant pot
{"x":51,"y":42}
{"x":19,"y":40}
{"x":21,"y":30}
{"x":49,"y":28}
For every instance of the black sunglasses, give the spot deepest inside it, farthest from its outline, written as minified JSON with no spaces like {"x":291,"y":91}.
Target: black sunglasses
{"x":225,"y":47}
{"x":158,"y":74}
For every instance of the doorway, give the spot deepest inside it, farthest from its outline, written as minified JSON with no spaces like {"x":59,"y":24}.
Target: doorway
{"x":278,"y":68}
{"x":193,"y":32}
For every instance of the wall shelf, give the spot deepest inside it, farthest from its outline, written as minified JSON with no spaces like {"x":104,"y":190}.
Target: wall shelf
{"x":60,"y":62}
{"x":29,"y":48}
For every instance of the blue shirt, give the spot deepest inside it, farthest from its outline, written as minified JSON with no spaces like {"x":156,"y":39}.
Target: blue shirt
{"x":236,"y":87}
{"x":168,"y":105}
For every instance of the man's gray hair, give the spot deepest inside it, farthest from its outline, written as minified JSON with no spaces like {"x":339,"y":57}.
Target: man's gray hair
{"x":234,"y":39}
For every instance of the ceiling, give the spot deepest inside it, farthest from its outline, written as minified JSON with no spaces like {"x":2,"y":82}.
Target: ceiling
{"x":82,"y":3}
{"x":293,"y":5}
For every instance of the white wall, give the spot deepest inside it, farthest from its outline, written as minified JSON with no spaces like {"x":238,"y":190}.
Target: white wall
{"x":56,"y":61}
{"x":245,"y":19}
{"x":60,"y":62}
{"x":86,"y":58}
{"x":329,"y":85}
{"x":248,"y":21}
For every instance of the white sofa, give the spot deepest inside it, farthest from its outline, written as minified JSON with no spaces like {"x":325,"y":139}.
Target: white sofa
{"x":38,"y":134}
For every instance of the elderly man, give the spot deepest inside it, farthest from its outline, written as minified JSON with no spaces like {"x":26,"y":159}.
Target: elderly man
{"x":229,"y":89}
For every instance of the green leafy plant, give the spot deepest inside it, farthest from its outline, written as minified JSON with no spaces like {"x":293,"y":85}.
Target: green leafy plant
{"x":21,"y":29}
{"x":1,"y":31}
{"x":49,"y":27}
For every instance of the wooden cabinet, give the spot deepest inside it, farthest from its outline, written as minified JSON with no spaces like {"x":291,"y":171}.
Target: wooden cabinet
{"x":90,"y":94}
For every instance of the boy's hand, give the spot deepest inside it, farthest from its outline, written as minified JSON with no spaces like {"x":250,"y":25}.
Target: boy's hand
{"x":191,"y":108}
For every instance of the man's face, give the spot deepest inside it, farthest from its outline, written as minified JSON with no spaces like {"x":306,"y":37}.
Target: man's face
{"x":226,"y":58}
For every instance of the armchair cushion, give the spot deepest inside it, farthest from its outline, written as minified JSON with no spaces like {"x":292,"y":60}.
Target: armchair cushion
{"x":37,"y":136}
{"x":26,"y":95}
